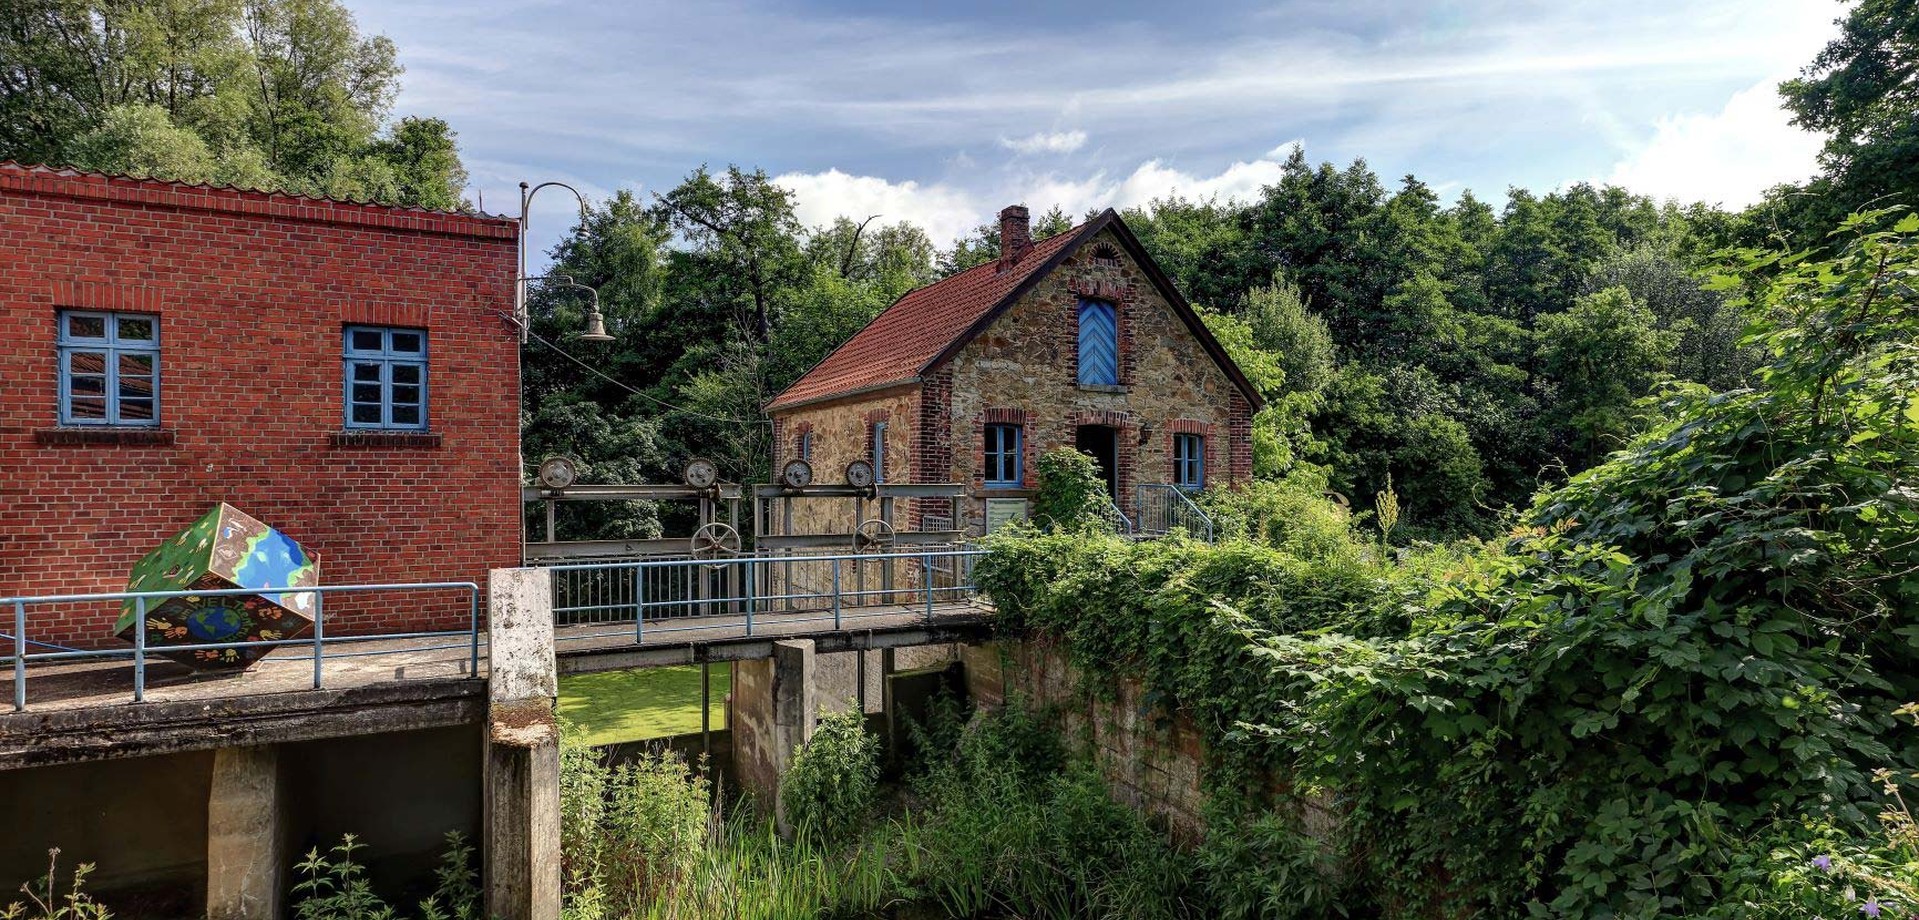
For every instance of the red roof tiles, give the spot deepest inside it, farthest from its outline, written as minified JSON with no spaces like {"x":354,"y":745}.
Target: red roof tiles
{"x":930,"y":324}
{"x":900,"y":343}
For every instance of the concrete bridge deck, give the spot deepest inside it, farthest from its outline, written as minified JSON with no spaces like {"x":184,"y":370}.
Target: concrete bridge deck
{"x":84,"y":709}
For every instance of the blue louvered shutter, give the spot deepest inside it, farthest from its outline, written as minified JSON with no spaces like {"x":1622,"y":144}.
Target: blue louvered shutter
{"x":1098,"y":344}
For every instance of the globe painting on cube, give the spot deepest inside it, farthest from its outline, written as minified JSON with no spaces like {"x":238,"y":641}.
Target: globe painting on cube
{"x":224,"y":549}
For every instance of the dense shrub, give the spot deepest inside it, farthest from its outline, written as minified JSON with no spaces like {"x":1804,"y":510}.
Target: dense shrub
{"x":830,"y":786}
{"x":1706,"y":632}
{"x":1293,"y":515}
{"x":1008,"y":825}
{"x":1071,"y":494}
{"x":629,"y":833}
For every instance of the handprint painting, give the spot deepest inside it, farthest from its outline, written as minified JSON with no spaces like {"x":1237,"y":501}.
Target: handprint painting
{"x":224,"y":549}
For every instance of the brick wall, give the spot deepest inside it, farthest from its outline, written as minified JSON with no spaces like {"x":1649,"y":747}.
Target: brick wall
{"x":252,"y":292}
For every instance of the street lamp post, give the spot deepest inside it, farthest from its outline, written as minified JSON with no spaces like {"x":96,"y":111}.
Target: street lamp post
{"x":595,"y":322}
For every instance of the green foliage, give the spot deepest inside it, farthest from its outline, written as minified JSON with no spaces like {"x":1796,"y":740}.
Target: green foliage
{"x":275,"y":94}
{"x":1858,"y":92}
{"x":45,"y":900}
{"x":1071,"y":495}
{"x":831,"y":785}
{"x":456,"y":892}
{"x":1820,"y":869}
{"x":333,"y":885}
{"x":1291,"y":515}
{"x":999,"y":823}
{"x":1603,"y":356}
{"x":1700,"y":634}
{"x":1007,"y":826}
{"x":1397,"y":425}
{"x":630,"y":833}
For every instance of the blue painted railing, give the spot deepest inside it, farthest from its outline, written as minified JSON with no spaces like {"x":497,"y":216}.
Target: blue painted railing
{"x":321,"y":644}
{"x":651,"y":598}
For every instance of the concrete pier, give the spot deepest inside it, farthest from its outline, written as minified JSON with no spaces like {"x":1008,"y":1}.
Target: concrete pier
{"x":522,"y":771}
{"x":774,"y":708}
{"x":246,"y":852}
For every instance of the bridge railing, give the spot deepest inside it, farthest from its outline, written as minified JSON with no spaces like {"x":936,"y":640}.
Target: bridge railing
{"x":652,"y":598}
{"x":321,"y":646}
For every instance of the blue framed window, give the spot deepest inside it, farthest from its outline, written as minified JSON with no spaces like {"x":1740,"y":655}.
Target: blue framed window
{"x":1098,"y":344}
{"x":109,"y":368}
{"x":1189,"y":461}
{"x":385,"y":378}
{"x":879,"y":451}
{"x":1003,"y":466}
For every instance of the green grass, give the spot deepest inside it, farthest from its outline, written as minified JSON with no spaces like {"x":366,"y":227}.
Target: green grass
{"x":617,"y":706}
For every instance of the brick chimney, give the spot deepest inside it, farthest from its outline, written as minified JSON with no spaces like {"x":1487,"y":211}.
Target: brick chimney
{"x":1015,"y":233}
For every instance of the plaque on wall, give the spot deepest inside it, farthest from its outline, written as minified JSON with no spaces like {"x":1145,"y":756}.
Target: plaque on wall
{"x":1001,"y":511}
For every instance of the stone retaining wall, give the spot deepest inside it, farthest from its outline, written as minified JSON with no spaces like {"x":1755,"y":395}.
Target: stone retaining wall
{"x":1152,"y":760}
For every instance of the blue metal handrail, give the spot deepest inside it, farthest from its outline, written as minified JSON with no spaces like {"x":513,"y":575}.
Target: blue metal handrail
{"x":1163,"y":506}
{"x":20,"y":657}
{"x":1121,"y":524}
{"x":750,"y":587}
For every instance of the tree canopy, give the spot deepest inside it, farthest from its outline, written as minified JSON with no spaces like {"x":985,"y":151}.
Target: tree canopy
{"x":272,"y":94}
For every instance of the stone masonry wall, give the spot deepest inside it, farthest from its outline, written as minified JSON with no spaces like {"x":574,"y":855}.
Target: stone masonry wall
{"x":841,"y":433}
{"x":1151,"y":761}
{"x":1023,"y":370}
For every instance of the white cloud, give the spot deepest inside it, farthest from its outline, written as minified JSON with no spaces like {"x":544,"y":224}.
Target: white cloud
{"x":943,"y":211}
{"x":1282,"y":151}
{"x":1045,"y":142}
{"x":947,"y":211}
{"x":1728,"y":158}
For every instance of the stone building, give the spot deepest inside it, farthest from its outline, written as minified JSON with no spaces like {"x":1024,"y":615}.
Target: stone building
{"x":166,"y":347}
{"x":1078,"y":340}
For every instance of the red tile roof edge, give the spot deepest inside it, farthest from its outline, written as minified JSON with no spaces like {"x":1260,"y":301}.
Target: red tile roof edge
{"x":1072,"y":239}
{"x":33,"y":178}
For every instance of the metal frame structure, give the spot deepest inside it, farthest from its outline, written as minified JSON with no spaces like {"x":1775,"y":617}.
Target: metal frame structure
{"x":803,"y":557}
{"x":1164,"y":508}
{"x":552,"y":551}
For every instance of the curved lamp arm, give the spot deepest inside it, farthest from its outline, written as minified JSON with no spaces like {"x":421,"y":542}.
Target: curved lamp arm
{"x":519,"y":283}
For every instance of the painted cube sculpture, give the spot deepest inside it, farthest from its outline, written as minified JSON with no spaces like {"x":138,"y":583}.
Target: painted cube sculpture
{"x":224,"y":549}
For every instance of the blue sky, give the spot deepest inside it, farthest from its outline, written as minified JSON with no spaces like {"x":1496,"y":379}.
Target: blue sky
{"x":940,"y":114}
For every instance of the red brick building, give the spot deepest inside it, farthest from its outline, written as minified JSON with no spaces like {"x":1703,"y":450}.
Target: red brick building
{"x":165,"y":347}
{"x":1075,"y":340}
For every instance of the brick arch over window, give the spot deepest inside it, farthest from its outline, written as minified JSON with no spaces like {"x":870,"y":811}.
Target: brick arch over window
{"x":1028,"y":444}
{"x":1124,"y":303}
{"x":1118,"y":418}
{"x":801,"y":432}
{"x":1213,"y":457}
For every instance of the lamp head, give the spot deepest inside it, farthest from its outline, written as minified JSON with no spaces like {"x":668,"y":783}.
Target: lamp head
{"x":595,"y":330}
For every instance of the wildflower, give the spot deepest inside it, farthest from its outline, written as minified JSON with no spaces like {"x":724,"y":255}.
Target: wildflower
{"x":1822,"y":862}
{"x":1870,"y":908}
